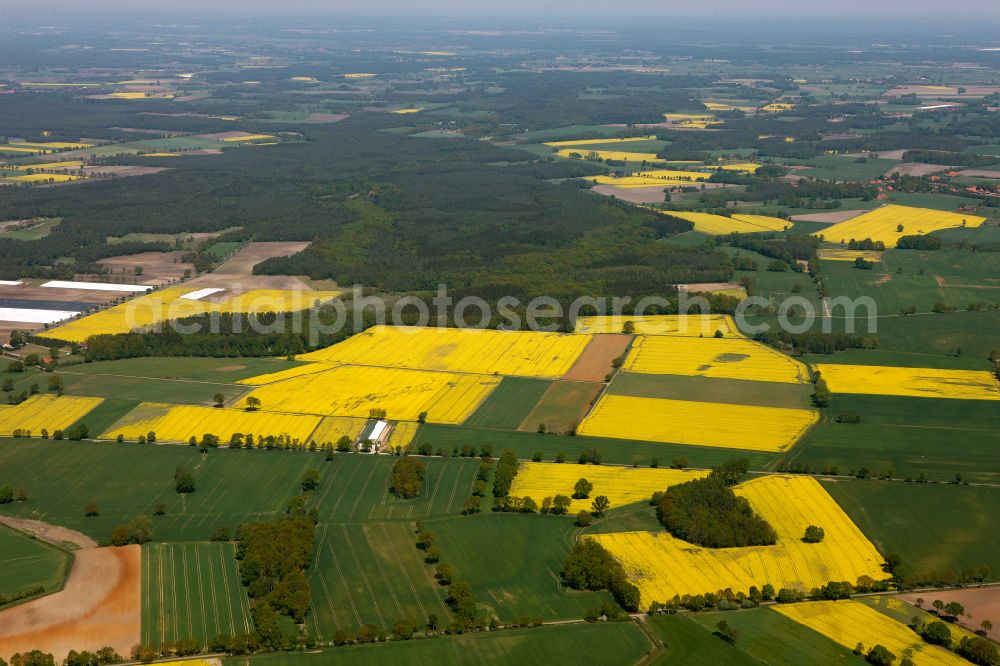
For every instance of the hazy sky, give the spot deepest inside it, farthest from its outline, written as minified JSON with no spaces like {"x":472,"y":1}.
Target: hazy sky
{"x":964,"y":11}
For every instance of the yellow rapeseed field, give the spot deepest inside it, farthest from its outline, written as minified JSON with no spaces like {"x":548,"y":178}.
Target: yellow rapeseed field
{"x":280,"y":375}
{"x":167,"y":304}
{"x":690,"y":325}
{"x":775,"y":107}
{"x":248,"y":137}
{"x":836,"y":254}
{"x":403,"y":112}
{"x":178,"y":423}
{"x":332,"y":428}
{"x":68,"y":164}
{"x":731,"y":358}
{"x":662,"y":566}
{"x":592,"y":142}
{"x":621,"y":485}
{"x":748,"y":167}
{"x":716,"y":225}
{"x":916,"y":382}
{"x":403,"y":433}
{"x":617,"y":155}
{"x":481,"y":351}
{"x":889,"y":223}
{"x":41,"y":177}
{"x":851,"y":622}
{"x":697,"y":423}
{"x":404,"y":394}
{"x":45,"y":411}
{"x":52,"y":145}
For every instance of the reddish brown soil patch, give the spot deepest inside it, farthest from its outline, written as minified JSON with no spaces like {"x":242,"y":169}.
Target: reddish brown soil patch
{"x":562,"y":407}
{"x":882,"y":279}
{"x":638,"y":195}
{"x":326,"y":117}
{"x":100,"y":605}
{"x":120,"y":171}
{"x":832,"y":217}
{"x":982,"y":602}
{"x":157,"y":267}
{"x":230,"y":368}
{"x":595,"y":361}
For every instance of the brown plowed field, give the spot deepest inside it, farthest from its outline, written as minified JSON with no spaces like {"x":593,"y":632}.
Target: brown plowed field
{"x":99,"y":606}
{"x":595,"y":361}
{"x":982,"y":602}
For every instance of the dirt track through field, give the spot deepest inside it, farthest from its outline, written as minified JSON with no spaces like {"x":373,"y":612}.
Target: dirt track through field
{"x":99,"y":606}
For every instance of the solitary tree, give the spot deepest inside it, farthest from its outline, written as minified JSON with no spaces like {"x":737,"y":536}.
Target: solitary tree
{"x":219,"y":399}
{"x":310,"y":480}
{"x":582,"y":489}
{"x":91,"y":510}
{"x":253,"y":403}
{"x":600,"y":505}
{"x":813,"y":534}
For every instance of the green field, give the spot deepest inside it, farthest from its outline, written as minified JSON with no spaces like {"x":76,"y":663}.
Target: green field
{"x":509,"y":403}
{"x":355,"y":488}
{"x":513,"y":563}
{"x":192,"y":590}
{"x":126,"y":480}
{"x":603,"y":643}
{"x":933,"y":527}
{"x":562,"y":407}
{"x":903,"y":359}
{"x":936,"y":436}
{"x":618,"y":451}
{"x":27,"y":563}
{"x":34,"y":232}
{"x":919,"y":278}
{"x":771,"y":638}
{"x":711,"y":389}
{"x":688,"y":643}
{"x":836,"y":167}
{"x":371,"y":573}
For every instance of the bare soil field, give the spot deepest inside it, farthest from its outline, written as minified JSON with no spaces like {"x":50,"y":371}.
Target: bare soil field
{"x":562,"y":407}
{"x":100,"y":605}
{"x":982,"y":602}
{"x":637,"y":195}
{"x":326,"y":117}
{"x":120,"y":171}
{"x":55,"y":534}
{"x":221,"y":136}
{"x":980,"y":173}
{"x":700,"y":287}
{"x":153,"y":132}
{"x":832,"y":217}
{"x":917,"y":169}
{"x":157,"y":267}
{"x":595,"y":361}
{"x":242,"y":262}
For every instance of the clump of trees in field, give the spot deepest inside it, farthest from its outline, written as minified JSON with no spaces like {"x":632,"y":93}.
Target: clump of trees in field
{"x":407,"y":477}
{"x":708,"y":513}
{"x":591,"y":567}
{"x":273,"y":556}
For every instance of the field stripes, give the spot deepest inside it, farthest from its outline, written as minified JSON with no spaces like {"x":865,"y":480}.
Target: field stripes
{"x":371,"y":573}
{"x":191,"y":590}
{"x":355,"y":488}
